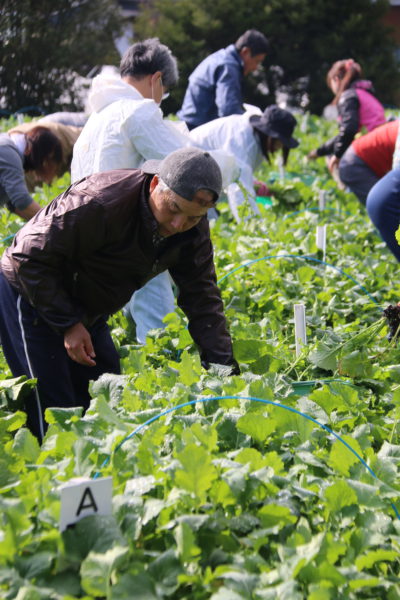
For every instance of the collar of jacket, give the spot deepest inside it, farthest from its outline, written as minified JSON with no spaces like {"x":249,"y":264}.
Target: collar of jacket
{"x":148,"y":216}
{"x":235,"y":54}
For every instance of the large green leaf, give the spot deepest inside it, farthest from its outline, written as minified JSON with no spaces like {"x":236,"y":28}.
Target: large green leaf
{"x":97,"y":568}
{"x":197,"y":473}
{"x":339,"y":495}
{"x":256,"y":426}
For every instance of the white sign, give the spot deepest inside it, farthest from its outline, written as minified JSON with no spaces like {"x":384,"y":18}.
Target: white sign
{"x":82,"y":496}
{"x":321,"y":239}
{"x":321,"y":200}
{"x":300,"y":327}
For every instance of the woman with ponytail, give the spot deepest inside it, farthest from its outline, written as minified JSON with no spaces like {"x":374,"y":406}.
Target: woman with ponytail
{"x":357,"y":108}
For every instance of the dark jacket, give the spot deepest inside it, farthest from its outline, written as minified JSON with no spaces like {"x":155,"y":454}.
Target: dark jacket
{"x":215,"y":88}
{"x":84,"y":255}
{"x":353,"y":109}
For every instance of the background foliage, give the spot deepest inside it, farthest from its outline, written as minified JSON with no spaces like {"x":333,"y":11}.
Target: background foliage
{"x":45,"y":42}
{"x":306,"y":38}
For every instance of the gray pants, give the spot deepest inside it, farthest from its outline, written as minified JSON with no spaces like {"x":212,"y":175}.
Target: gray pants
{"x":356,"y":174}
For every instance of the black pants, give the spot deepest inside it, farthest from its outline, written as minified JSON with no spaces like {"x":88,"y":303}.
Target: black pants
{"x":33,"y":349}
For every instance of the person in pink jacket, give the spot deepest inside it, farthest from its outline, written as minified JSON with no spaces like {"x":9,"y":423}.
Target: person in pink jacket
{"x":357,"y":108}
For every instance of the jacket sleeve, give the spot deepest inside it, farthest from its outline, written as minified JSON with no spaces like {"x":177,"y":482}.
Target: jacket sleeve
{"x":152,"y":135}
{"x":348,"y":108}
{"x":228,"y":91}
{"x":12,"y":179}
{"x":200,"y":299}
{"x":42,"y":255}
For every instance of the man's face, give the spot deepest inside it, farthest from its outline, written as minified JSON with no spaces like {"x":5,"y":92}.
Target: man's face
{"x":173,"y":213}
{"x":250,"y":63}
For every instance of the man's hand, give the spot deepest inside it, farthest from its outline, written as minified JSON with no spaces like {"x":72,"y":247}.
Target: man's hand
{"x":222,"y":370}
{"x":333,"y":163}
{"x":78,"y":344}
{"x":312,"y":155}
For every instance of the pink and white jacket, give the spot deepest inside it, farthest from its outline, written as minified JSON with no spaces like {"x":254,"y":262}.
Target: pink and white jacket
{"x":357,"y":108}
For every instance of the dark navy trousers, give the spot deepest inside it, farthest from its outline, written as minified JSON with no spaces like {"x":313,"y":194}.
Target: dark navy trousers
{"x":383,"y":206}
{"x":33,"y":349}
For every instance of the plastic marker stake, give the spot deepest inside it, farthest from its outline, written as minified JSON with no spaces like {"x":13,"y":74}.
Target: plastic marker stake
{"x":300,"y":327}
{"x":304,"y":123}
{"x":82,"y":496}
{"x":235,"y":199}
{"x":321,"y":239}
{"x":321,"y":200}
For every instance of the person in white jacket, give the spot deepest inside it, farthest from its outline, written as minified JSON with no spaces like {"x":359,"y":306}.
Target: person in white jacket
{"x":250,"y":138}
{"x":126,"y":128}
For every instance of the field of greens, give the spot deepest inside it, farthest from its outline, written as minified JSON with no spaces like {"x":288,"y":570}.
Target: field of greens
{"x":282,"y":483}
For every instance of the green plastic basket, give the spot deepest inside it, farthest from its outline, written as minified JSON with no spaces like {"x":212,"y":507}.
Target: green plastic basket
{"x":264,"y":200}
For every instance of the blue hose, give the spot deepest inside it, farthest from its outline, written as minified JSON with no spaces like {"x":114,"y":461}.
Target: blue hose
{"x":253,"y":399}
{"x":301,"y":257}
{"x":9,"y":237}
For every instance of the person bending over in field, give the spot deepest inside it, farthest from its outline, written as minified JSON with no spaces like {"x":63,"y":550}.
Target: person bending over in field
{"x":215,"y":86}
{"x":369,"y":158}
{"x":81,"y":258}
{"x":36,"y":153}
{"x":66,"y":134}
{"x":126,"y":127}
{"x":357,"y":108}
{"x":250,"y":138}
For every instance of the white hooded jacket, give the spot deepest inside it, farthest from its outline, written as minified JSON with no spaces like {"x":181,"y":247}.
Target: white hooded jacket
{"x":123,"y":131}
{"x":234,"y":135}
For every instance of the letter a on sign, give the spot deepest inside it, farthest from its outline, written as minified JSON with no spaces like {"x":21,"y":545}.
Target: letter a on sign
{"x":87,"y":502}
{"x":81,"y":497}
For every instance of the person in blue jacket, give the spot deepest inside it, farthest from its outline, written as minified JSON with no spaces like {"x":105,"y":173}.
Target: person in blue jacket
{"x":215,"y":86}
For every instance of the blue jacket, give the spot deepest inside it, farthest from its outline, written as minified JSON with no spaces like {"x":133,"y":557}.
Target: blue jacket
{"x":215,"y":88}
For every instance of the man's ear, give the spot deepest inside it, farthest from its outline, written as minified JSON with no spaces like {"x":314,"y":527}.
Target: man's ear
{"x":154,"y":77}
{"x":153,"y":183}
{"x":245,"y":52}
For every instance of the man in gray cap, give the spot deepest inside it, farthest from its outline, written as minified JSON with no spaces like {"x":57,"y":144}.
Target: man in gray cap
{"x":81,"y":258}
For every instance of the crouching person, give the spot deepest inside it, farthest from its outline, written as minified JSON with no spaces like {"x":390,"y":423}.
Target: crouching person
{"x":81,"y":258}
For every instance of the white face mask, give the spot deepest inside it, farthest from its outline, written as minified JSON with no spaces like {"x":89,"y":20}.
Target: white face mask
{"x":163,"y":95}
{"x":159,"y":83}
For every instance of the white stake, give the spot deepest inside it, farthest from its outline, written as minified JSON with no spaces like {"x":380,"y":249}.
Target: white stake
{"x":300,"y":327}
{"x":304,"y":123}
{"x":321,"y":200}
{"x":321,"y":239}
{"x":281,"y":168}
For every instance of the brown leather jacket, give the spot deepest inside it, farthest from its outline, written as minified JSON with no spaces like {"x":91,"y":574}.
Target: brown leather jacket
{"x":85,"y":253}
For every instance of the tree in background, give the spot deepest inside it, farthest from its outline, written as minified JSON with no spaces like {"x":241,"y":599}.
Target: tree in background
{"x":306,"y":37}
{"x":45,"y":43}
